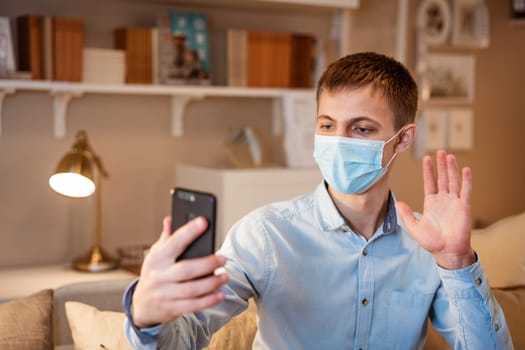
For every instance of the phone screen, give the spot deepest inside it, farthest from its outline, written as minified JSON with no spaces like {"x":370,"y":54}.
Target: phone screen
{"x":188,"y":204}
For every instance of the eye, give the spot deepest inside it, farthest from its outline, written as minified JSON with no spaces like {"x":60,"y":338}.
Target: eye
{"x":362,"y":130}
{"x":324,"y":126}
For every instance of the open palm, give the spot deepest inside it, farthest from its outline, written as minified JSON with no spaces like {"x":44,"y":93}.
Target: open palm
{"x":445,"y":226}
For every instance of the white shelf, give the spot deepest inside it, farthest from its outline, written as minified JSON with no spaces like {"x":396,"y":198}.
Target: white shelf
{"x":180,"y":96}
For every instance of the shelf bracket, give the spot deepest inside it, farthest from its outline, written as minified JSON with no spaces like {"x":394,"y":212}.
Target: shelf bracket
{"x":61,"y":100}
{"x":3,"y":94}
{"x":178,"y":108}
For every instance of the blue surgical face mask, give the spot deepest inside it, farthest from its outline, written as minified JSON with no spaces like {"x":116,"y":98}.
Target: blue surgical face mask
{"x":351,"y":165}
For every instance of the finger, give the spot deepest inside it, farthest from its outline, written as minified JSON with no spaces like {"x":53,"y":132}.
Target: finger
{"x":407,"y":215}
{"x":190,"y":269}
{"x":453,"y":175}
{"x":166,"y":229}
{"x":442,"y":174}
{"x":429,"y":181}
{"x":198,"y":288}
{"x":197,"y":304}
{"x":184,"y":236}
{"x":466,"y":186}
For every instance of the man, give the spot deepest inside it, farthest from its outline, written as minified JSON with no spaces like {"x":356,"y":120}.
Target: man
{"x":345,"y":266}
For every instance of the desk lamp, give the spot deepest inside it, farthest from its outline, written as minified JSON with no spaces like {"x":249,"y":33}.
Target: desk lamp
{"x":74,"y":177}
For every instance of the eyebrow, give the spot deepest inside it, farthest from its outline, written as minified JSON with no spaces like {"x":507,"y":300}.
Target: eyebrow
{"x":351,"y":120}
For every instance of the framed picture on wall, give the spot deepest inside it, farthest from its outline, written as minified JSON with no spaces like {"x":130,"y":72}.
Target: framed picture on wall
{"x":471,"y":24}
{"x":448,"y":78}
{"x":434,"y":21}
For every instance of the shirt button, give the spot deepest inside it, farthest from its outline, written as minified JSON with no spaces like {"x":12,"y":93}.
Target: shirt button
{"x":478,"y":281}
{"x":496,"y":327}
{"x":365,"y":252}
{"x":345,"y":228}
{"x":364,"y":302}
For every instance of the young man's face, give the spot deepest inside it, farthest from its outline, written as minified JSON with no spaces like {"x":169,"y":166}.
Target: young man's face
{"x":359,"y":113}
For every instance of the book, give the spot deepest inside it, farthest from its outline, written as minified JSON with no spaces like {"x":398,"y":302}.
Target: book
{"x":7,"y":57}
{"x":137,"y":45}
{"x":236,"y":42}
{"x":47,"y":47}
{"x":29,"y":29}
{"x":183,"y":48}
{"x":269,"y":57}
{"x":155,"y":55}
{"x":68,"y":42}
{"x":303,"y":61}
{"x":218,"y":46}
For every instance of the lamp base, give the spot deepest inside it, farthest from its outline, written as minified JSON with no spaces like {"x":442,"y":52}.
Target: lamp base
{"x":95,"y":261}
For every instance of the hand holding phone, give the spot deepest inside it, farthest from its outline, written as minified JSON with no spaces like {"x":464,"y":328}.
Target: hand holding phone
{"x":188,"y":204}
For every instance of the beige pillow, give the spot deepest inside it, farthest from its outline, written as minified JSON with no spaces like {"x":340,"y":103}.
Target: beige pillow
{"x":501,"y":250}
{"x":26,"y":323}
{"x":91,"y":328}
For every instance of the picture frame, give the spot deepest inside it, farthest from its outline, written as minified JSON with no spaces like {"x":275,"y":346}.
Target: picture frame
{"x":450,"y":128}
{"x":471,"y":24}
{"x":434,"y":21}
{"x":183,"y":49}
{"x":448,"y":78}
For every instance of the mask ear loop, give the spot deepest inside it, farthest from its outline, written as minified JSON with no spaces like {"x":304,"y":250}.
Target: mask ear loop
{"x":394,"y":156}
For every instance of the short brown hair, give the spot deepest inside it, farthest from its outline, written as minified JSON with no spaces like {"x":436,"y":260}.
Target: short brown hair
{"x":383,"y":73}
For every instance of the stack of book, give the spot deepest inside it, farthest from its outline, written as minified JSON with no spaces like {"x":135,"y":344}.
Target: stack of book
{"x":50,"y":47}
{"x":269,"y":59}
{"x":104,"y":66}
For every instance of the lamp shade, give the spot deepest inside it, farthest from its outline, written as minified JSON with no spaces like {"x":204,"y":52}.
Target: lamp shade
{"x":73,"y":176}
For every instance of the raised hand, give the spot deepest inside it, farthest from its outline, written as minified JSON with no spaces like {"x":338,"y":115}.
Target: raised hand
{"x":444,"y":228}
{"x":167,"y":289}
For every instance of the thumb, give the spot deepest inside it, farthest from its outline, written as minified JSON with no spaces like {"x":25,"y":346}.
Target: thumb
{"x":407,"y":215}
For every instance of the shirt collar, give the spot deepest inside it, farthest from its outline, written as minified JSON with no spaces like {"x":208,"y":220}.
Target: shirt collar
{"x":330,"y":219}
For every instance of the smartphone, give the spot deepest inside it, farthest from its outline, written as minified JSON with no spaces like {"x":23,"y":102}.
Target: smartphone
{"x":188,"y":204}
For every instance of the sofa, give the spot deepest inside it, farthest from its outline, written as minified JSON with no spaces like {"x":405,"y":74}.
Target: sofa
{"x":88,"y":315}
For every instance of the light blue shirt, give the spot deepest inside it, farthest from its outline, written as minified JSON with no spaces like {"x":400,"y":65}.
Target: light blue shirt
{"x":319,"y":285}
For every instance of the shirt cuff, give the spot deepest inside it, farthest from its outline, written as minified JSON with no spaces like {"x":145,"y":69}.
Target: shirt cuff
{"x":468,"y":282}
{"x":146,"y":335}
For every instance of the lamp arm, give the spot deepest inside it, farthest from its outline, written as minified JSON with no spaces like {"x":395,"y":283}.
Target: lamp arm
{"x":97,"y":161}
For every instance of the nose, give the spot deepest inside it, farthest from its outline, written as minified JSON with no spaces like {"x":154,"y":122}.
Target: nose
{"x":341,"y":132}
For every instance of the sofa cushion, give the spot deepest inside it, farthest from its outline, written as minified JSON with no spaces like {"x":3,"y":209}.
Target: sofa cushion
{"x":502,"y":252}
{"x":92,"y":329}
{"x":105,"y":295}
{"x":26,"y":323}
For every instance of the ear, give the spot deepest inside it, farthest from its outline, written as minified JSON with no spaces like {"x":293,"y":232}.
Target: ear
{"x":406,"y":138}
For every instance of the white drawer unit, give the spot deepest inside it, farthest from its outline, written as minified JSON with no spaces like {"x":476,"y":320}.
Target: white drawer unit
{"x":239,"y":191}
